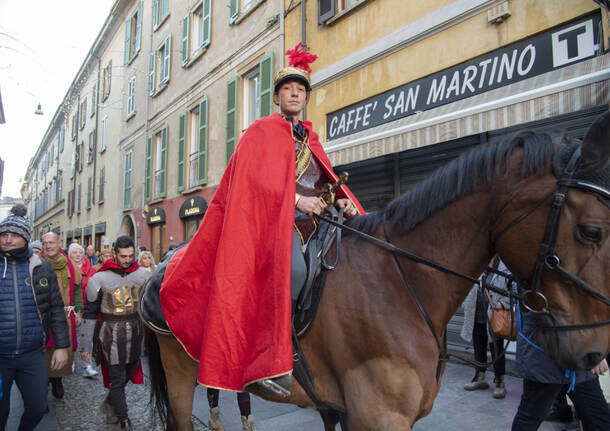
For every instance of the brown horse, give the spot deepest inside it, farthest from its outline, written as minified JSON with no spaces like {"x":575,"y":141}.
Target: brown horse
{"x":371,"y":353}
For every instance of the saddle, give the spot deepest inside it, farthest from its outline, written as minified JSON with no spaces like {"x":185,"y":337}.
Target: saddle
{"x":150,"y":303}
{"x":319,"y":247}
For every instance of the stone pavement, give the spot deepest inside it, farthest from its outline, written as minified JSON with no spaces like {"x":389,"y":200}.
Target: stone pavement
{"x":454,"y":408}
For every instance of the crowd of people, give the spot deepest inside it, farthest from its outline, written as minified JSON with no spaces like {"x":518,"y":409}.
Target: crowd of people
{"x":79,"y":293}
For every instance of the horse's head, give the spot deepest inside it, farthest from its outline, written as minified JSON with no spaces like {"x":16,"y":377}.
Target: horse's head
{"x":568,"y":278}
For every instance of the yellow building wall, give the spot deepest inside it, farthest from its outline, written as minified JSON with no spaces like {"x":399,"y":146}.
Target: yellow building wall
{"x":377,"y":18}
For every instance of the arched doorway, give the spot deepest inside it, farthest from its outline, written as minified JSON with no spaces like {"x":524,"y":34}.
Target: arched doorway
{"x":127,"y":227}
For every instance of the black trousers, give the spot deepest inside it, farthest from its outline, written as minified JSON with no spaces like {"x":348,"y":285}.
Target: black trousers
{"x":29,"y":372}
{"x":479,"y":342}
{"x":537,"y":399}
{"x":119,"y":376}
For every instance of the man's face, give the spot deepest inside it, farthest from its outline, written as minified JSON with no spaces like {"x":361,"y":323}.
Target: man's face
{"x":123,"y":257}
{"x":90,"y":250}
{"x":50,"y":246}
{"x":291,"y":98}
{"x":11,"y":241}
{"x":105,"y":256}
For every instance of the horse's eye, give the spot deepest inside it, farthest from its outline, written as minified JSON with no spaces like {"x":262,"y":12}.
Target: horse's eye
{"x":589,"y":234}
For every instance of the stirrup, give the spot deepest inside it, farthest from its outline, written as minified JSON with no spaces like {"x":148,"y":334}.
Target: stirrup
{"x":275,"y":387}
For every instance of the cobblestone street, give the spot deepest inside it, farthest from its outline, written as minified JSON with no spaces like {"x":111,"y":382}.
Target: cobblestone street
{"x":454,"y":408}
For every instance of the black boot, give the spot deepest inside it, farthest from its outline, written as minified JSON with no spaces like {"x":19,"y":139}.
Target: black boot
{"x":57,"y":387}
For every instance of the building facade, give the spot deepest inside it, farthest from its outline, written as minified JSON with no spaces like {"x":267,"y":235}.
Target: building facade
{"x":145,"y":131}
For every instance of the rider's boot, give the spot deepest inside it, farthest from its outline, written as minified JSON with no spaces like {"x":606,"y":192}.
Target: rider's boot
{"x":247,"y":423}
{"x":215,"y":423}
{"x":278,"y":385}
{"x":478,"y":382}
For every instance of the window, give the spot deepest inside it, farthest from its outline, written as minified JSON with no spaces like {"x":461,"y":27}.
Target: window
{"x":258,"y":91}
{"x":156,"y":165}
{"x":93,"y":99}
{"x":79,"y":196}
{"x":58,"y":189}
{"x":127,"y":185}
{"x":104,"y":129}
{"x":131,"y":97}
{"x":100,"y":198}
{"x":160,"y":12}
{"x":238,"y":8}
{"x":60,"y":139}
{"x":193,"y":142}
{"x":196,"y":28}
{"x":78,"y":157}
{"x":231,"y":136}
{"x":133,"y":35}
{"x":329,"y":8}
{"x":91,"y":148}
{"x":89,"y":183}
{"x":159,"y":66}
{"x":106,"y":83}
{"x":74,"y":125}
{"x":83,"y":114}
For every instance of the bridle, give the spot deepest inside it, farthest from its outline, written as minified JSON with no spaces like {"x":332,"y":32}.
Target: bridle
{"x":548,"y":256}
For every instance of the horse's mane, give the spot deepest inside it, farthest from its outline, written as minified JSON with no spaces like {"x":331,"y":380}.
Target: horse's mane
{"x":461,"y":177}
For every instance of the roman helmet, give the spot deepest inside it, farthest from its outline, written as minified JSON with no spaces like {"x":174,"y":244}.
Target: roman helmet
{"x":298,"y":68}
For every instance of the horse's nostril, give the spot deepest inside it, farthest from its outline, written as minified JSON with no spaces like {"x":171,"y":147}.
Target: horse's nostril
{"x":592,"y":359}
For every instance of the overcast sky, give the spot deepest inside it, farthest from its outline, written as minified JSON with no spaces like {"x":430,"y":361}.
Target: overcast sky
{"x":42,"y":46}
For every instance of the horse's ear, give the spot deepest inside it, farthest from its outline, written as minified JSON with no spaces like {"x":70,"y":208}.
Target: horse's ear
{"x":596,"y":144}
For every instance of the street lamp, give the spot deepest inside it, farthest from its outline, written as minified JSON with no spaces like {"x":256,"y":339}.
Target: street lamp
{"x":38,"y":110}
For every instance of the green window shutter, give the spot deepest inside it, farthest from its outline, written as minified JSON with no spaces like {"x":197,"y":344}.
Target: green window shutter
{"x":234,"y":6}
{"x":139,"y":29}
{"x":155,"y":13}
{"x":206,"y":22}
{"x":185,"y":40}
{"x":167,"y":59}
{"x":181,"y":150}
{"x":202,"y":156}
{"x":163,"y":176}
{"x":231,"y":140}
{"x":151,"y":72}
{"x":127,"y":54}
{"x":148,"y":169}
{"x":266,"y":85}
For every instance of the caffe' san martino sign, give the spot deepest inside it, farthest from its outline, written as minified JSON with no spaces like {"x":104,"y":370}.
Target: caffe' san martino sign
{"x":193,"y":206}
{"x":156,"y":215}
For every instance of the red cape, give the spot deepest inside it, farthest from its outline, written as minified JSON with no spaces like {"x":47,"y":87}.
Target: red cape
{"x":226,"y":295}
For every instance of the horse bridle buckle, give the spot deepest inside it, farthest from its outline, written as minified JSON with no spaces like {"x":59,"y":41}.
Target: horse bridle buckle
{"x":552,"y":260}
{"x":531,"y":306}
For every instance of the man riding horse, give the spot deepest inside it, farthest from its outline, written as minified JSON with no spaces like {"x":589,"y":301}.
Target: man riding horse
{"x":227,"y":295}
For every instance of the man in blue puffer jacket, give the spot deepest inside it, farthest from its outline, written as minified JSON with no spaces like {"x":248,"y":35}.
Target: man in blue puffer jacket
{"x":30,"y":307}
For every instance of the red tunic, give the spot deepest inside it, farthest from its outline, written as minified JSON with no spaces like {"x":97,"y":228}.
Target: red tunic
{"x":226,"y":295}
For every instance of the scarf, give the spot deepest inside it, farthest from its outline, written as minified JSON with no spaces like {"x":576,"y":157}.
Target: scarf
{"x":60,"y":265}
{"x":66,"y":271}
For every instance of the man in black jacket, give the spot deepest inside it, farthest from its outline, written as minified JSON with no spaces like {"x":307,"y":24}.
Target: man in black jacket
{"x":30,"y":307}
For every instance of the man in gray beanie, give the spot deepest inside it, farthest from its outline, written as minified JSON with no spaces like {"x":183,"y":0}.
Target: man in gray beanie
{"x":30,"y":308}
